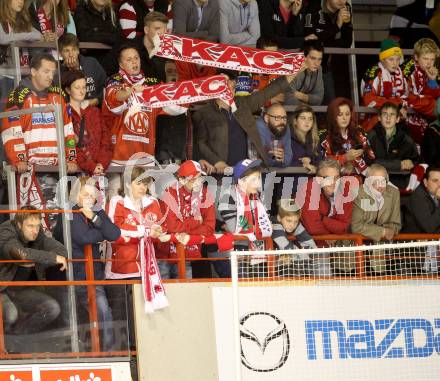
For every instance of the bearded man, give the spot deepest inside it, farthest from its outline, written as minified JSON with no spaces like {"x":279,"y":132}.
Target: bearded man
{"x":275,"y":136}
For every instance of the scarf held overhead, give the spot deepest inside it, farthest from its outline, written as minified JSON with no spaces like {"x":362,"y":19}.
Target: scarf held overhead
{"x":224,"y":56}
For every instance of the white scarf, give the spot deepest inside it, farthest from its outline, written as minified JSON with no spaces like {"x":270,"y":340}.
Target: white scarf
{"x":263,"y":224}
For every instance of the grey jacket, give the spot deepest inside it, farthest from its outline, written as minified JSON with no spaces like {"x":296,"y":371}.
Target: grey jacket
{"x":239,"y":25}
{"x":310,"y":83}
{"x":369,"y":221}
{"x":43,"y":251}
{"x":211,"y":126}
{"x":185,"y":19}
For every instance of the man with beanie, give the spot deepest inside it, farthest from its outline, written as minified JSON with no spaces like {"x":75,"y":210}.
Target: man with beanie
{"x":190,"y":211}
{"x":385,"y":82}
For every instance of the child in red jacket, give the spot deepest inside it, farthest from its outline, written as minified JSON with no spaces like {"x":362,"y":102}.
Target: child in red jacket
{"x":189,"y":211}
{"x":422,"y":77}
{"x":385,"y":82}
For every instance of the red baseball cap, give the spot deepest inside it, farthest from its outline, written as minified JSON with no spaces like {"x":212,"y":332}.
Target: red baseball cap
{"x":190,"y":168}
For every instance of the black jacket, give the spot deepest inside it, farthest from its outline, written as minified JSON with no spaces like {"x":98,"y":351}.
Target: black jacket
{"x":318,"y":20}
{"x":431,"y":144}
{"x":287,"y":36}
{"x":43,"y":251}
{"x":94,"y":26}
{"x":85,"y":232}
{"x":95,"y":76}
{"x":402,"y":147}
{"x":422,"y":215}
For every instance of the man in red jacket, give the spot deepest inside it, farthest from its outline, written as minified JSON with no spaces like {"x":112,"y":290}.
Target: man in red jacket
{"x":189,"y":210}
{"x":328,"y":204}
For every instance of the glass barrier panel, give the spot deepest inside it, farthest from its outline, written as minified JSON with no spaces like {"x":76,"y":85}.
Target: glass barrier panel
{"x":37,"y":321}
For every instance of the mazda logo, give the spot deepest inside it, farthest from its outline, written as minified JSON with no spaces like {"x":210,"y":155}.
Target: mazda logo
{"x":265,"y":342}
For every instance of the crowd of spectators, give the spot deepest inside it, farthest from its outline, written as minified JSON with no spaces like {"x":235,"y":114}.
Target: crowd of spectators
{"x":384,"y":156}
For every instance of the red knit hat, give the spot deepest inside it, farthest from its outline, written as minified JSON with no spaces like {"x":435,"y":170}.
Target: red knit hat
{"x":190,"y":168}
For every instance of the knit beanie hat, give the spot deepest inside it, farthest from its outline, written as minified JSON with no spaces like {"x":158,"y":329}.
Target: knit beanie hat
{"x":388,"y":48}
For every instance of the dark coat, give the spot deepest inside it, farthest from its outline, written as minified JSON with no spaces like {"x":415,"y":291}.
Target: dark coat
{"x":422,"y":215}
{"x":300,"y":150}
{"x":402,"y":147}
{"x":320,"y":21}
{"x":94,"y":26}
{"x":95,"y":76}
{"x":287,"y":36}
{"x":212,"y":127}
{"x":43,"y":251}
{"x":431,"y":144}
{"x":84,"y":232}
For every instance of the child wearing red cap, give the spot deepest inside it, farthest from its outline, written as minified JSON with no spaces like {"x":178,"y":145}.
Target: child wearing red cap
{"x":189,"y":210}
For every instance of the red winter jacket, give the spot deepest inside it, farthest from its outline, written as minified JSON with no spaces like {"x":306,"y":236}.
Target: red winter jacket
{"x":315,"y":212}
{"x":134,"y":226}
{"x":197,"y":217}
{"x":96,"y":146}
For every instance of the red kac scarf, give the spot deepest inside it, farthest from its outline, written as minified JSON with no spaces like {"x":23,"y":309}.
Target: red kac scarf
{"x":240,"y":58}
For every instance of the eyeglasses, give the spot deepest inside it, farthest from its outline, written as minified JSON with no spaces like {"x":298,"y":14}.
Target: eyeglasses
{"x":278,"y":117}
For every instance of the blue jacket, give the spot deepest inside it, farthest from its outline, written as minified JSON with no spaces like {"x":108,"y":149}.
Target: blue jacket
{"x":266,"y":139}
{"x":85,"y":232}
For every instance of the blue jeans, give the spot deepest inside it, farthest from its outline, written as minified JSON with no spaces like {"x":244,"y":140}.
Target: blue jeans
{"x":105,"y":315}
{"x":168,"y":270}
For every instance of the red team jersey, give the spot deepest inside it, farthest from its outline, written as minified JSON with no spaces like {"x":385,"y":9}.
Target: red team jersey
{"x":33,"y":137}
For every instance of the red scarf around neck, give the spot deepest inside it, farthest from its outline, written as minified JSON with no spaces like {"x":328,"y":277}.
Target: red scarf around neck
{"x":132,"y":79}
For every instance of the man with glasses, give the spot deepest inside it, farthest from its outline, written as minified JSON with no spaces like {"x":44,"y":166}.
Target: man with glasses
{"x":275,"y":135}
{"x":189,"y":209}
{"x":225,"y":136}
{"x":376,"y":213}
{"x":392,"y":145}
